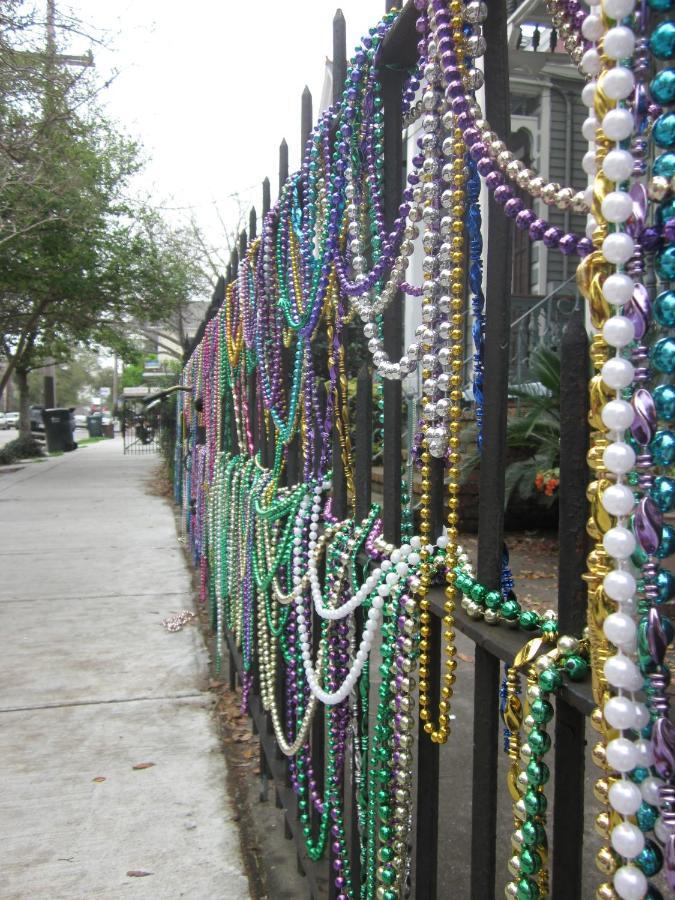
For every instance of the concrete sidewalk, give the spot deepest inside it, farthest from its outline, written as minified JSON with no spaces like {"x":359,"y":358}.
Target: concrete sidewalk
{"x":91,"y":685}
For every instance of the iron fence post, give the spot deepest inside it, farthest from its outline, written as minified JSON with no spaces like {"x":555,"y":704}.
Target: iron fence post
{"x":568,"y":806}
{"x":493,"y":464}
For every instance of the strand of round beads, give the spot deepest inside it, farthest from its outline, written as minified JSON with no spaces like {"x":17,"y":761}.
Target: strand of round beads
{"x":568,"y":18}
{"x":391,"y":803}
{"x":379,"y":584}
{"x":528,"y":773}
{"x":394,"y":853}
{"x":490,"y":147}
{"x":216,"y":551}
{"x":619,"y":627}
{"x":479,"y":139}
{"x":617,"y":247}
{"x":342,"y":880}
{"x":450,"y":357}
{"x":333,"y":612}
{"x":655,"y":632}
{"x":527,"y":779}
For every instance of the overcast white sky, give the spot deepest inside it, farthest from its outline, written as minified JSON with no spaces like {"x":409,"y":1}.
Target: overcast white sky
{"x":211,"y":88}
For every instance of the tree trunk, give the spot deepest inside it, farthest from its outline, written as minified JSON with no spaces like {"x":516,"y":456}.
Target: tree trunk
{"x":24,"y":412}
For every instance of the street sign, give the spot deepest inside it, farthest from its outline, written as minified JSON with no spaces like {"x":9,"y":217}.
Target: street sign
{"x":141,"y":391}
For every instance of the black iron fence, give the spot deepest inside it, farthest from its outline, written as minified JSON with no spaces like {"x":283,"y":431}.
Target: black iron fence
{"x":494,"y":647}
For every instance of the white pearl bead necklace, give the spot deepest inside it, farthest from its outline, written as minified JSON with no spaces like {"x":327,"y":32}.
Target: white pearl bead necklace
{"x":621,"y":711}
{"x":387,"y":579}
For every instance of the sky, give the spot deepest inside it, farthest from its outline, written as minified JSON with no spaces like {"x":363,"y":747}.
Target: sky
{"x":211,"y":89}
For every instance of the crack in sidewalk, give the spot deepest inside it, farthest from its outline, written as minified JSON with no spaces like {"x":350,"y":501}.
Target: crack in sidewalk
{"x":11,"y":709}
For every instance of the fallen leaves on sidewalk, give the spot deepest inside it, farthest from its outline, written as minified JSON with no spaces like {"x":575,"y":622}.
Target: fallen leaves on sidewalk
{"x":236,"y":727}
{"x":138,"y":873}
{"x":98,"y":779}
{"x":145,"y":765}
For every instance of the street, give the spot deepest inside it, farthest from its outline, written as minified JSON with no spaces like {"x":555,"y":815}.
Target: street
{"x":7,"y":435}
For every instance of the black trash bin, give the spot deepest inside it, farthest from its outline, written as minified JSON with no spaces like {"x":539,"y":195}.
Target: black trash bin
{"x":58,"y":430}
{"x":95,"y":425}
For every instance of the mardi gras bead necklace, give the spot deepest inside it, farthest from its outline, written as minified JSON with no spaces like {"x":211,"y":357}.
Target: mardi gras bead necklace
{"x":529,"y":774}
{"x":435,"y":441}
{"x":622,"y":754}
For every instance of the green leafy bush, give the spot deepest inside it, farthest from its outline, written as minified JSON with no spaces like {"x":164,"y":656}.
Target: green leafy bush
{"x":532,"y":435}
{"x":535,"y":431}
{"x":21,"y":448}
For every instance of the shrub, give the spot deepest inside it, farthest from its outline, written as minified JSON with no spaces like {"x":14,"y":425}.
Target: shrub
{"x":21,"y":448}
{"x":533,"y":435}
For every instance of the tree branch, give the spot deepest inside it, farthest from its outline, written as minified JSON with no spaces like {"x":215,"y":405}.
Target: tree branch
{"x":26,"y":342}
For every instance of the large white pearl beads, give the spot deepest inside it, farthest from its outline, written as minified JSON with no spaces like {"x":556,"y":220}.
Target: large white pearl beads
{"x":617,"y":206}
{"x":588,"y":163}
{"x":618,"y":288}
{"x":618,"y":9}
{"x":621,"y":672}
{"x":645,"y":753}
{"x":618,"y":83}
{"x":618,"y":331}
{"x":619,"y":42}
{"x":619,"y":542}
{"x":619,"y":458}
{"x":618,"y":165}
{"x":589,"y":128}
{"x":590,"y":62}
{"x":620,"y":629}
{"x":619,"y":712}
{"x":650,"y":789}
{"x":619,"y":586}
{"x":588,"y":94}
{"x":618,"y":247}
{"x":627,"y":840}
{"x":641,"y":716}
{"x":618,"y":124}
{"x":592,"y":28}
{"x":630,"y":883}
{"x":625,"y":797}
{"x":617,"y":415}
{"x":618,"y":499}
{"x":621,"y":755}
{"x":617,"y":373}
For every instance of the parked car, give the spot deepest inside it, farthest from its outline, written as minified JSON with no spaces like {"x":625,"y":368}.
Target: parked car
{"x":80,"y":420}
{"x":2,"y":421}
{"x":11,"y":420}
{"x":36,"y":423}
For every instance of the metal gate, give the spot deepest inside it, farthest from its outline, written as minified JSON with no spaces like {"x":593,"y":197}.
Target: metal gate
{"x":141,"y":427}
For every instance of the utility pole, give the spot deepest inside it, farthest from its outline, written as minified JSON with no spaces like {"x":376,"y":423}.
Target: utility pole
{"x":62,"y":59}
{"x":53,"y":59}
{"x":114,"y":384}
